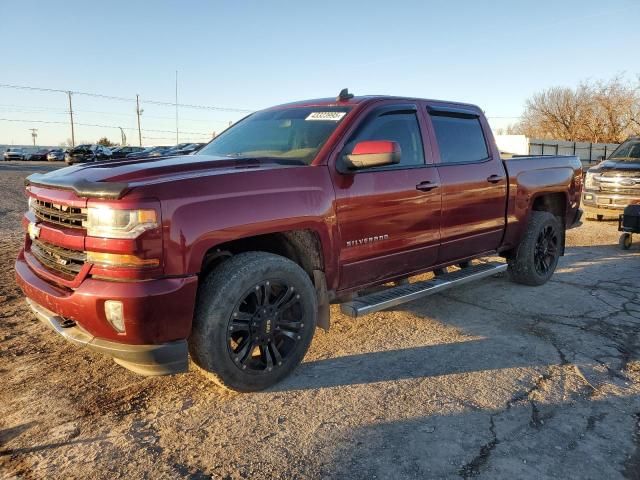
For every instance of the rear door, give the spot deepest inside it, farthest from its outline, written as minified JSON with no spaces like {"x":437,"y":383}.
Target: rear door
{"x":388,"y":217}
{"x":474,"y":183}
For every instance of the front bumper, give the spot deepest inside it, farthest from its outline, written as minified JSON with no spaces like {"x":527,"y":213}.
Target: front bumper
{"x":606,"y":204}
{"x":157,"y":317}
{"x":164,"y":359}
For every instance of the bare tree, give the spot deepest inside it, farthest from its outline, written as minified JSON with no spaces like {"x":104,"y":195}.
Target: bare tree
{"x":603,"y":111}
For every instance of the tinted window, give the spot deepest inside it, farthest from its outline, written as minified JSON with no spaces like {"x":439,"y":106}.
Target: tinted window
{"x":397,"y":127}
{"x":629,"y":150}
{"x":459,"y":139}
{"x":295,"y":134}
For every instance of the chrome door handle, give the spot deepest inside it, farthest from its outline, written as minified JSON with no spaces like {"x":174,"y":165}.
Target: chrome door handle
{"x":494,"y":178}
{"x":426,"y":186}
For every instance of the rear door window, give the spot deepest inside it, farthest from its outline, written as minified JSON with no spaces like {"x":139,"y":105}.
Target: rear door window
{"x":460,"y":138}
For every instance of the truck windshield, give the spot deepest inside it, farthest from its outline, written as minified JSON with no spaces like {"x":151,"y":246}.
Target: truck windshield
{"x":628,"y":151}
{"x":294,"y":134}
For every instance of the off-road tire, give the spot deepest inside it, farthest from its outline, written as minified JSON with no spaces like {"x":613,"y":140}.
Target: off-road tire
{"x":218,"y":296}
{"x":522,"y":264}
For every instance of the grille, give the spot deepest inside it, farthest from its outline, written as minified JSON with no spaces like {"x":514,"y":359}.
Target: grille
{"x":64,"y":215}
{"x":619,"y":173}
{"x":620,"y":191}
{"x":62,"y":261}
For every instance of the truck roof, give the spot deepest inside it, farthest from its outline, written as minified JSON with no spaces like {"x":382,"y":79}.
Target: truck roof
{"x":356,"y":100}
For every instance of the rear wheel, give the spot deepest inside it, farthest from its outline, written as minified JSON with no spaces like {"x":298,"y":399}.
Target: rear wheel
{"x":536,"y":257}
{"x":255,"y":318}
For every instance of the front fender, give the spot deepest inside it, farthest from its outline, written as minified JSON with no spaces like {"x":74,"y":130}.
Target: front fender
{"x":247,"y":204}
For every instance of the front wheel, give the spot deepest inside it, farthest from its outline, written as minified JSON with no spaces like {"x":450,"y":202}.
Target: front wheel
{"x":536,"y":257}
{"x":254,"y":321}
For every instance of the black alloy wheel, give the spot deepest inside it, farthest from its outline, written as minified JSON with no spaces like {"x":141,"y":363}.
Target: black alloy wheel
{"x":265,"y":326}
{"x":546,"y":250}
{"x":254,"y":321}
{"x":535,"y":258}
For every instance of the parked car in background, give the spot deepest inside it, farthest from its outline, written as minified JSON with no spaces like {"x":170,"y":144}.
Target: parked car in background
{"x":122,"y":152}
{"x":87,"y":153}
{"x":190,"y":148}
{"x":150,"y":152}
{"x":176,"y":148}
{"x":14,"y":153}
{"x":56,"y":155}
{"x":39,"y":155}
{"x":614,"y":183}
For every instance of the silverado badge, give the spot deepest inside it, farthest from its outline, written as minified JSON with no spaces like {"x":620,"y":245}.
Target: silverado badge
{"x":363,"y":241}
{"x":33,"y":230}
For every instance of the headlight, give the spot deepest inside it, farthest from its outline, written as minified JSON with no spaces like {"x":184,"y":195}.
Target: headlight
{"x":114,"y":223}
{"x":30,"y":201}
{"x":590,"y":180}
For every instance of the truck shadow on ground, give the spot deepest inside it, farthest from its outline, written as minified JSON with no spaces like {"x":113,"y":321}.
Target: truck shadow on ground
{"x":516,"y":328}
{"x":414,"y":363}
{"x":577,"y":438}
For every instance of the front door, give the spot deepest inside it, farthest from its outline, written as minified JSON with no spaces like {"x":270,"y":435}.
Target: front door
{"x":388,"y":217}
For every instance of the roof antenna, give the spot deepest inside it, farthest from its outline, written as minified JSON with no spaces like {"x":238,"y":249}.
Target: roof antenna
{"x":344,"y":95}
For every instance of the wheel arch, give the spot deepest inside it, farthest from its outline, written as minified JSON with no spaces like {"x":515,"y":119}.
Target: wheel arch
{"x":552,"y":202}
{"x":302,"y":246}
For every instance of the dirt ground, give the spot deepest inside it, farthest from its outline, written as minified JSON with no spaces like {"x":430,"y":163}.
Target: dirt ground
{"x":493,"y":380}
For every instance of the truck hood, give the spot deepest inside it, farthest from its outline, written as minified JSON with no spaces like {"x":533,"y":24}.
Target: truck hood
{"x":114,"y":178}
{"x":617,"y":165}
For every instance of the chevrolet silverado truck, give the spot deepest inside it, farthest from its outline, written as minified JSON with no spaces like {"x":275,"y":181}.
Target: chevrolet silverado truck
{"x":232,"y":256}
{"x":614,"y":183}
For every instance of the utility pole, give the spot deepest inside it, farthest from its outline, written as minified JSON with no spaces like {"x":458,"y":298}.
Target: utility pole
{"x":177,"y":135}
{"x":34,"y":135}
{"x":73,"y":136}
{"x":139,"y":112}
{"x":123,"y":137}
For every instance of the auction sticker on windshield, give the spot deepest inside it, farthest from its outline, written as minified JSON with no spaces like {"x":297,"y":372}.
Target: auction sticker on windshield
{"x":330,"y":116}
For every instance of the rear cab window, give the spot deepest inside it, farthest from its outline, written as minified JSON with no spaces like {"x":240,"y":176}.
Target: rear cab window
{"x":460,"y":137}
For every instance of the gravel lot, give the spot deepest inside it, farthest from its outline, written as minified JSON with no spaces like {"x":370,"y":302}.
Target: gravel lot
{"x":493,"y":380}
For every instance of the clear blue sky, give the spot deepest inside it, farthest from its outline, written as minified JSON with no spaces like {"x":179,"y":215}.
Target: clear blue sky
{"x":252,"y":54}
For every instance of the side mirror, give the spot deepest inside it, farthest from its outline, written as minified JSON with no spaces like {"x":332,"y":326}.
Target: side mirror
{"x":373,"y":153}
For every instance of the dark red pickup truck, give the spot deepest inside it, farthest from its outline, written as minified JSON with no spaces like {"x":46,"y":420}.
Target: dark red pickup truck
{"x":232,"y":255}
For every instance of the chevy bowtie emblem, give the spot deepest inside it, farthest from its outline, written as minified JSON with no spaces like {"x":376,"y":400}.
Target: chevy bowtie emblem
{"x":33,"y":230}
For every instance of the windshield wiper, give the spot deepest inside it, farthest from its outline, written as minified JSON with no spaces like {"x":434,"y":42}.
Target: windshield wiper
{"x":278,"y":160}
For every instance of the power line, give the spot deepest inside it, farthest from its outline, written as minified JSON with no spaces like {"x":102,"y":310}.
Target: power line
{"x":125,"y":99}
{"x":99,"y":126}
{"x":58,"y":111}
